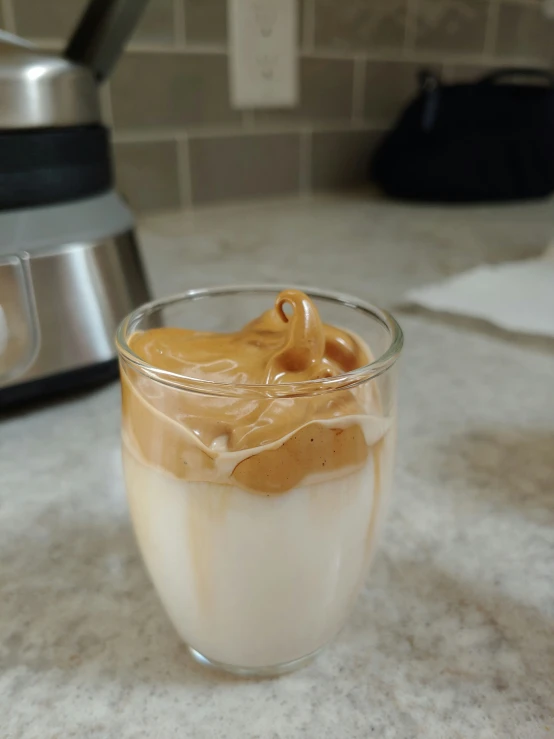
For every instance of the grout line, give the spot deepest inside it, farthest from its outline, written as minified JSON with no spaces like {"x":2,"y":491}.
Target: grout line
{"x":492,"y":27}
{"x":106,"y":103}
{"x":410,"y":30}
{"x":393,"y":55}
{"x":419,"y":56}
{"x":142,"y":47}
{"x":183,"y":170}
{"x":305,"y":168}
{"x":308,"y":25}
{"x":358,"y":89}
{"x":179,"y":25}
{"x":170,"y":134}
{"x":427,"y":57}
{"x":179,"y":47}
{"x":9,"y":16}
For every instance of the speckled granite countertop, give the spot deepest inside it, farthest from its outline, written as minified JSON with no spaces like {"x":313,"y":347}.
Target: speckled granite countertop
{"x":454,"y":634}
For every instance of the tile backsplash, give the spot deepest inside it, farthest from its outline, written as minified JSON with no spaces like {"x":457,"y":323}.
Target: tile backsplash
{"x":178,"y":142}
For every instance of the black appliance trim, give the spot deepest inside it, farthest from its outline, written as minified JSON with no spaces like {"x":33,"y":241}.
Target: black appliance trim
{"x":44,"y":166}
{"x":58,"y":385}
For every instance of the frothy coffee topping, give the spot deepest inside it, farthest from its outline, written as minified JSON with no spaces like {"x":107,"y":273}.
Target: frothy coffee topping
{"x":265,"y":445}
{"x":280,"y":346}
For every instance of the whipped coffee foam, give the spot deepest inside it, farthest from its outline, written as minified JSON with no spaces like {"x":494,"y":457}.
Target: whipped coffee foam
{"x":265,"y":445}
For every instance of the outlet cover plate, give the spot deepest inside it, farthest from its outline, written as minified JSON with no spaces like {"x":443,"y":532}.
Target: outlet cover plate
{"x":263,"y":65}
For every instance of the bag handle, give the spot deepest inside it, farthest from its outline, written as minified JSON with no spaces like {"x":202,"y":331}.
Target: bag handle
{"x":428,"y":80}
{"x":429,"y":86}
{"x":532,"y":73}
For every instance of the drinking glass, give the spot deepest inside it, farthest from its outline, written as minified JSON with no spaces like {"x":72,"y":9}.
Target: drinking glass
{"x":257,"y":581}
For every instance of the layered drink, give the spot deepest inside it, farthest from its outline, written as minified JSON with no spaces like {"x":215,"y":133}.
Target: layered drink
{"x":257,"y":468}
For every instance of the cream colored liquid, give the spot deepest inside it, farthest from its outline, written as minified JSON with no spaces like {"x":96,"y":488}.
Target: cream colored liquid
{"x":255,"y":581}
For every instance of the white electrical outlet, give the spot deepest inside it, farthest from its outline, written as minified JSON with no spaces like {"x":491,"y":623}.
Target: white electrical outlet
{"x":263,"y":53}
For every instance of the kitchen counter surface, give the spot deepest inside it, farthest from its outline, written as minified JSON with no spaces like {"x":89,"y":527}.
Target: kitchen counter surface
{"x":453,"y":636}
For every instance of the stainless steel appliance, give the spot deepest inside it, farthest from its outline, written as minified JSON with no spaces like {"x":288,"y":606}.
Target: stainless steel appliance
{"x":70,"y":268}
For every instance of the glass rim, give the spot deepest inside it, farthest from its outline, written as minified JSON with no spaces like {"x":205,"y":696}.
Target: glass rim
{"x":343,"y":381}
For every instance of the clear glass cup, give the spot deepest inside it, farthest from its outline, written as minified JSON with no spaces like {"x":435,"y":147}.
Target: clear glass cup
{"x":256,"y":583}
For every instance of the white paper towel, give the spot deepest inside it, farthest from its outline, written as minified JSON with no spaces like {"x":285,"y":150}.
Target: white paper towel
{"x":517,"y":296}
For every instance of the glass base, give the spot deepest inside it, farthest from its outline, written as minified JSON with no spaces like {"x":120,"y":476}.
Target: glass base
{"x":252,"y":672}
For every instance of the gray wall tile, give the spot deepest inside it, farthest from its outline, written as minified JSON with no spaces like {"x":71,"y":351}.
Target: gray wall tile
{"x":157,"y":24}
{"x":524,"y":31}
{"x":205,"y":21}
{"x":388,"y":87}
{"x":473,"y":72}
{"x":464,"y":72}
{"x":171,"y":90}
{"x":360,"y":24}
{"x":457,"y":26}
{"x":155,"y":90}
{"x":235,"y":167}
{"x":31,"y":19}
{"x":57,"y":18}
{"x":147,"y":174}
{"x":340,"y":158}
{"x":326,"y":87}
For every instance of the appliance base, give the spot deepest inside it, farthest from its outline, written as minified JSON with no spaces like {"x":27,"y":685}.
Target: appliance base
{"x":46,"y":388}
{"x":69,"y":276}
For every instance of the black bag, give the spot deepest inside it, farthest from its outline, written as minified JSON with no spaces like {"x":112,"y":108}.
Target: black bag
{"x":475,"y":142}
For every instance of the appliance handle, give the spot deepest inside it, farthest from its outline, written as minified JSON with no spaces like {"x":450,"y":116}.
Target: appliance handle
{"x":101,"y":34}
{"x":26,"y":300}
